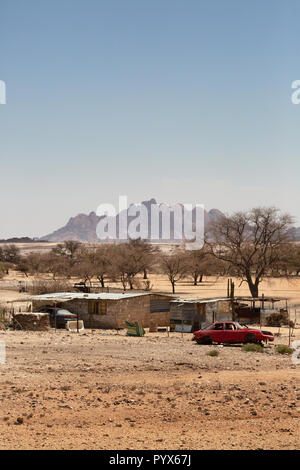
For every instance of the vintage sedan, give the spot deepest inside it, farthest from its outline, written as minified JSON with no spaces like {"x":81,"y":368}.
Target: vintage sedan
{"x":59,"y":316}
{"x":231,"y":332}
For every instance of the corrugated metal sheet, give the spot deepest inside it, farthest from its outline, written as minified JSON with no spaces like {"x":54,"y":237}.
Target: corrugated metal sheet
{"x":65,"y":296}
{"x":199,"y":301}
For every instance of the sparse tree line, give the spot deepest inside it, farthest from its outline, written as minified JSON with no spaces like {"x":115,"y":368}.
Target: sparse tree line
{"x":248,"y":245}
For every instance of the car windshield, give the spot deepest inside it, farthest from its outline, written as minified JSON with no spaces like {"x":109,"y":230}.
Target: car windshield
{"x":208,"y":327}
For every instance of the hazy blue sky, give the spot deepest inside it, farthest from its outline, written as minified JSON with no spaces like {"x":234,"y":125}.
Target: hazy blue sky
{"x":181,"y":100}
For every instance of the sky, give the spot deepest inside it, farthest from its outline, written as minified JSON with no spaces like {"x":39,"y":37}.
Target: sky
{"x":181,"y":100}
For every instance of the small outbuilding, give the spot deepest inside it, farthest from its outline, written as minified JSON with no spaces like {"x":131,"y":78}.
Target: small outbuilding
{"x":256,"y":310}
{"x":192,"y":314}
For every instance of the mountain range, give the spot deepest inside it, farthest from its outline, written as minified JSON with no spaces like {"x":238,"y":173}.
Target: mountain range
{"x":83,"y":227}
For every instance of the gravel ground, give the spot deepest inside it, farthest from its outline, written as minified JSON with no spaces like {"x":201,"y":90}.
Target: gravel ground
{"x":103,"y":390}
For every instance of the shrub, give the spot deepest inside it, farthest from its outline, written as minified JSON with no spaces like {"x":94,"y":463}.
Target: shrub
{"x":277,"y":319}
{"x":253,"y":348}
{"x":213,"y":353}
{"x":282,"y":349}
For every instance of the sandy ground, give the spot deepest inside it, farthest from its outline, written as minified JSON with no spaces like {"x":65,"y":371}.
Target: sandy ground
{"x":101,"y":390}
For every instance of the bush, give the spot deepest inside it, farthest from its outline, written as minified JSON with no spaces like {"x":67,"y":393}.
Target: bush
{"x":213,"y":353}
{"x":282,"y":349}
{"x":253,"y":348}
{"x":277,"y":319}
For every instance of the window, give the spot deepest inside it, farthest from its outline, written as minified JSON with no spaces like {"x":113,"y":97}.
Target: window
{"x":230,"y":326}
{"x":218,"y":326}
{"x":102,"y":307}
{"x":159,"y":305}
{"x":97,"y":307}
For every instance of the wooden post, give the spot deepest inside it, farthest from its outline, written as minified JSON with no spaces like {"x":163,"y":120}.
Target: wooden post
{"x":289,"y":326}
{"x":116,"y":323}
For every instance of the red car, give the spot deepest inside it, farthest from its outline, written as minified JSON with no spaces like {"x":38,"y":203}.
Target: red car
{"x":231,"y":332}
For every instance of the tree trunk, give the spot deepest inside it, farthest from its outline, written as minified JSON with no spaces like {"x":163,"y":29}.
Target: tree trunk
{"x":253,"y":286}
{"x":173,"y":287}
{"x":145,"y":274}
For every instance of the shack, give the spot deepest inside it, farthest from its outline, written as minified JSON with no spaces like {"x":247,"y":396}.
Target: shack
{"x":192,"y":314}
{"x":109,"y":310}
{"x":255,"y":310}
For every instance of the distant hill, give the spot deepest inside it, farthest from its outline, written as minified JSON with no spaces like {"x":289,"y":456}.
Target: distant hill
{"x":295,"y":234}
{"x":83,"y":227}
{"x":21,"y":240}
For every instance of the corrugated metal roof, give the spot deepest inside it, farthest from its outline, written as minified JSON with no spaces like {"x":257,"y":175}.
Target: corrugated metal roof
{"x":200,"y":301}
{"x":65,"y":296}
{"x":197,"y":300}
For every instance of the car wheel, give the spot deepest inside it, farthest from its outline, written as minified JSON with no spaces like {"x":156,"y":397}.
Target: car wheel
{"x":204,"y":340}
{"x":250,"y":338}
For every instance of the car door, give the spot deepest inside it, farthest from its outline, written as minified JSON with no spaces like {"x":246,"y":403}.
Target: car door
{"x":229,"y":332}
{"x":217,"y":332}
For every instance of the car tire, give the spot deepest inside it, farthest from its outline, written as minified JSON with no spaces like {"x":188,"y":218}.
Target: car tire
{"x":204,"y":340}
{"x":250,"y":338}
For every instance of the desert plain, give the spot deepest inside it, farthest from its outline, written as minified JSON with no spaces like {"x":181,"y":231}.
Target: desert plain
{"x":103,"y":390}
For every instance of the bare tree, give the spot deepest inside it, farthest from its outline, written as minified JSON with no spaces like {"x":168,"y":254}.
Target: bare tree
{"x":23,"y":266}
{"x":197,"y":262}
{"x":128,"y":262}
{"x":35,"y":262}
{"x":291,"y":264}
{"x":85,"y":265}
{"x":175,"y":267}
{"x":54,"y":265}
{"x":10,"y":254}
{"x":250,"y":243}
{"x":103,"y":262}
{"x":69,"y":250}
{"x":147,"y":253}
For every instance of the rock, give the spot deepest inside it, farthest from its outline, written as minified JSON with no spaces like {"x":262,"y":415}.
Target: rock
{"x":19,"y":421}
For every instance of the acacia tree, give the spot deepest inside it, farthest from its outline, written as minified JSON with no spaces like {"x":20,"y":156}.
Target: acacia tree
{"x":128,"y":262}
{"x":103,"y":261}
{"x":251,"y":243}
{"x":175,"y":267}
{"x":69,"y":250}
{"x":85,"y":265}
{"x":146,"y":252}
{"x":291,"y":266}
{"x":197,"y":262}
{"x":11,"y":253}
{"x":53,"y":264}
{"x":35,"y":263}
